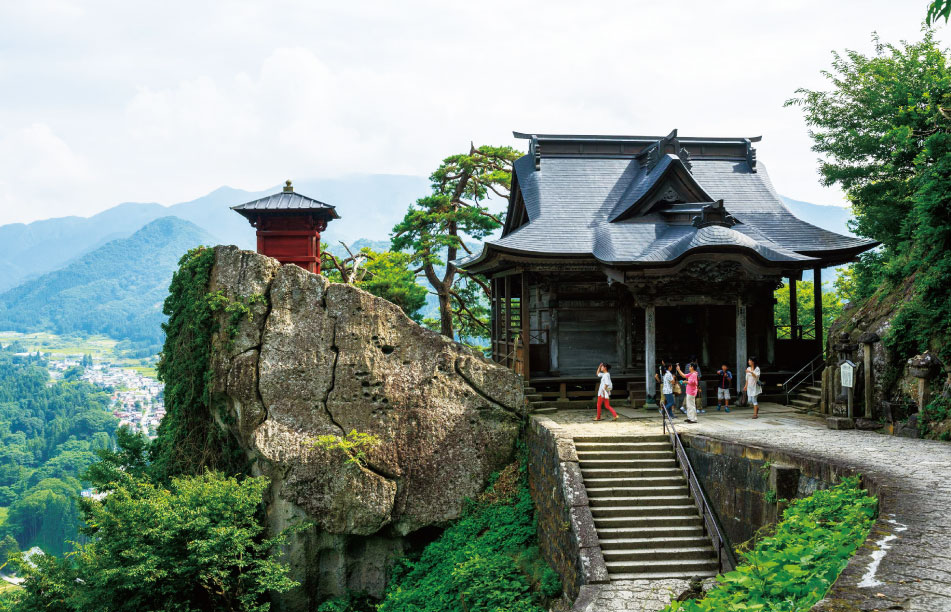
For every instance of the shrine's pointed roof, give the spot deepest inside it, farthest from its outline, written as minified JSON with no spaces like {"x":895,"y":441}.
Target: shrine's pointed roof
{"x":286,"y":200}
{"x":631,"y":200}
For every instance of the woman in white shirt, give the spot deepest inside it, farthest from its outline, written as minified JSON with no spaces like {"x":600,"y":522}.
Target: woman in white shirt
{"x":752,"y":386}
{"x":604,"y":390}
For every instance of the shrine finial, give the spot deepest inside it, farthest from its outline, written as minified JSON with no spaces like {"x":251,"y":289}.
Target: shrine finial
{"x":288,"y":187}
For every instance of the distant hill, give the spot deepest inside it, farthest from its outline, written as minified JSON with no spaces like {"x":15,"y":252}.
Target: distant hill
{"x":832,"y":218}
{"x":369,"y":206}
{"x":116,"y":289}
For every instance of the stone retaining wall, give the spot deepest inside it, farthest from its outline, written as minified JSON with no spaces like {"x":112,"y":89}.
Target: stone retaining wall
{"x":566,"y":531}
{"x":733,"y":480}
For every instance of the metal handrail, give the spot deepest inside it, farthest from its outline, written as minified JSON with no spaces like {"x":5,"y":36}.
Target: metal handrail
{"x":813,"y":366}
{"x":725,"y":557}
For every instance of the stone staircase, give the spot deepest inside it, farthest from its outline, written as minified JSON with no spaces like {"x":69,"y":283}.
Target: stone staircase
{"x":806,"y":398}
{"x":647,"y":523}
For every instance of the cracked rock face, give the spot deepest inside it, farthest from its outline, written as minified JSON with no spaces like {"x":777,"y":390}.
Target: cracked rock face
{"x":316,"y":358}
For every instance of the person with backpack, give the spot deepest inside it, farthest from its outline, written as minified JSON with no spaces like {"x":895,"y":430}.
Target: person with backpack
{"x":604,"y":390}
{"x":724,"y":382}
{"x":753,"y":387}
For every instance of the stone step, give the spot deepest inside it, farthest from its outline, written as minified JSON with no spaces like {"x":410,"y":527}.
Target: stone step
{"x":800,"y":403}
{"x":623,"y":446}
{"x":645,"y":500}
{"x":635,"y":455}
{"x":660,"y":531}
{"x":544,"y":410}
{"x":644,"y":510}
{"x":527,"y":389}
{"x":659,"y":472}
{"x":662,"y":565}
{"x":663,"y":575}
{"x":533,"y":397}
{"x":664,"y":555}
{"x":618,"y":439}
{"x":621,"y":481}
{"x":698,"y":540}
{"x":638,"y":522}
{"x":632,"y":493}
{"x":627,"y":463}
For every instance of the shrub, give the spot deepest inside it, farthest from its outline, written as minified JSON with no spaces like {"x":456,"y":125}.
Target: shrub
{"x":794,"y":568}
{"x":488,"y":561}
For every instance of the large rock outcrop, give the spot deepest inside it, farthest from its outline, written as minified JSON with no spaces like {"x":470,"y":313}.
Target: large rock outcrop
{"x":311,"y":358}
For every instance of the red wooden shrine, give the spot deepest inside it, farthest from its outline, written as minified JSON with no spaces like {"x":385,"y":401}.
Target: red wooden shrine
{"x":289,"y":226}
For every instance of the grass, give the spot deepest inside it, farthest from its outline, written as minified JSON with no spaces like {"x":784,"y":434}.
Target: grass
{"x":4,"y":511}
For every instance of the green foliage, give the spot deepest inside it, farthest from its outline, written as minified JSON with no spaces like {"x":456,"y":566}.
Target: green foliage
{"x":832,"y":305}
{"x":487,"y":561}
{"x":188,"y":440}
{"x":237,"y":310}
{"x":937,"y":10}
{"x":793,"y":569}
{"x":436,"y":227}
{"x":196,"y":545}
{"x":884,"y":138}
{"x":384,"y":274}
{"x":355,"y":445}
{"x":49,"y":433}
{"x":8,"y":547}
{"x":937,"y":411}
{"x":115,"y":289}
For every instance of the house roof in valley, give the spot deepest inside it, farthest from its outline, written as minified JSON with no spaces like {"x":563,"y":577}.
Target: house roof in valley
{"x":634,"y":201}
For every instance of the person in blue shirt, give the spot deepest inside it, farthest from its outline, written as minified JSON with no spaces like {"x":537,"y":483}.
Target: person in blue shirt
{"x":724,"y":382}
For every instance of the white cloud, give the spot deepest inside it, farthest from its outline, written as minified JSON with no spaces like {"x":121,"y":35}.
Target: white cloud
{"x":41,"y":174}
{"x":165,"y":102}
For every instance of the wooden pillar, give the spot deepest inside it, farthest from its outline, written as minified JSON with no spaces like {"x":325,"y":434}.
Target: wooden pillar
{"x":507,"y":320}
{"x":526,"y":329}
{"x":705,"y":338}
{"x":793,"y":311}
{"x":494,"y":320}
{"x":740,"y":344}
{"x":817,"y":303}
{"x":771,"y":332}
{"x":649,"y":339}
{"x":553,"y":331}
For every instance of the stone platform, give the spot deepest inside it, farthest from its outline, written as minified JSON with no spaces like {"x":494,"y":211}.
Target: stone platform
{"x":906,"y":562}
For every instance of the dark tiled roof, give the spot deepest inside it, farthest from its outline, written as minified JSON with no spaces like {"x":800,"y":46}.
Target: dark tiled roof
{"x":286,"y":201}
{"x":571,"y":200}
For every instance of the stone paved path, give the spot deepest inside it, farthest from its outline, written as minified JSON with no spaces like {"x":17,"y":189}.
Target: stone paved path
{"x":915,"y":475}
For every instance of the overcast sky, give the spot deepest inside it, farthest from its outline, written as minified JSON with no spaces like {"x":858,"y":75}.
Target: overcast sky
{"x":106,"y":102}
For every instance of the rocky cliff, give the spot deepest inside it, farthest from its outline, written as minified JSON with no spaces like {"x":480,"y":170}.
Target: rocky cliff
{"x":299,"y":357}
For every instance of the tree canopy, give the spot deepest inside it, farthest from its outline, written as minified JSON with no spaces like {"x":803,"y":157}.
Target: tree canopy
{"x":384,"y":274}
{"x":435,"y":229}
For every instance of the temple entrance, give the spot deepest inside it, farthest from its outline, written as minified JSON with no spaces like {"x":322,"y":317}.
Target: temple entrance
{"x":704,"y":333}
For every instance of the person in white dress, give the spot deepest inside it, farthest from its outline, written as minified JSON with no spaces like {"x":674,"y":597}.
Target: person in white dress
{"x":752,"y":386}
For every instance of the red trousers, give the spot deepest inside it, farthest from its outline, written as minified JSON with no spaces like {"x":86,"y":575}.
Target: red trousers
{"x":607,"y":404}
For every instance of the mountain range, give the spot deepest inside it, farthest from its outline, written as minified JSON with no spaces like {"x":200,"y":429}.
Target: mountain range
{"x":109,"y":273}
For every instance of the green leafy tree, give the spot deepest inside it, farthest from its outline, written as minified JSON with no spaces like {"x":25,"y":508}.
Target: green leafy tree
{"x":937,"y":10}
{"x":870,"y":126}
{"x":195,"y":545}
{"x":832,"y":305}
{"x":8,"y":547}
{"x":435,"y":229}
{"x":385,"y":274}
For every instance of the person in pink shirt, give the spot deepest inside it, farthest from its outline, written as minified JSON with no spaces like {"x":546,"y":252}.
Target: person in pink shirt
{"x":693,"y":385}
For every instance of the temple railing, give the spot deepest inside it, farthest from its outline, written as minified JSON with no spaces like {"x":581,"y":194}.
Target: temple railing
{"x":810,"y":372}
{"x":725,"y":557}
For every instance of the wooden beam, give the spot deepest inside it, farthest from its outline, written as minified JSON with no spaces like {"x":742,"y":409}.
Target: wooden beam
{"x":507,"y":297}
{"x":740,"y":344}
{"x":526,"y":330}
{"x":649,"y":348}
{"x":817,"y":304}
{"x":793,"y":310}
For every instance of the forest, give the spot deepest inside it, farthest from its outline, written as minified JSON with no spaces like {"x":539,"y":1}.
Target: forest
{"x":49,"y":434}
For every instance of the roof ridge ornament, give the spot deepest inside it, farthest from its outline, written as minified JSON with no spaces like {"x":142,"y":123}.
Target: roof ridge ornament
{"x":714,"y":214}
{"x":288,"y":187}
{"x":535,"y":148}
{"x":654,"y":153}
{"x":751,"y":156}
